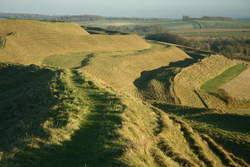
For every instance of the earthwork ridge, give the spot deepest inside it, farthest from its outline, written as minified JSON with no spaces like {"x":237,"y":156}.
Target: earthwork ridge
{"x":70,"y":98}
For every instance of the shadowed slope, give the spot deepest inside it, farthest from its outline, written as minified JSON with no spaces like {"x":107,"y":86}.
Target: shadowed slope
{"x":121,"y":70}
{"x":158,"y":84}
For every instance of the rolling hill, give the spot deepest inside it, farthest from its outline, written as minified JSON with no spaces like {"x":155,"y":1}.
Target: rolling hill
{"x":69,"y":98}
{"x":27,"y":43}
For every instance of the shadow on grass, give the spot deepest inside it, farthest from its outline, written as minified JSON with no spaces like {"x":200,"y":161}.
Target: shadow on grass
{"x":96,"y":142}
{"x":26,"y":102}
{"x":215,"y":120}
{"x":165,"y":72}
{"x":229,"y":123}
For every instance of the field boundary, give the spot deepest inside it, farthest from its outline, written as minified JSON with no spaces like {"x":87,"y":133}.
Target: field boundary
{"x":2,"y":42}
{"x":197,"y":23}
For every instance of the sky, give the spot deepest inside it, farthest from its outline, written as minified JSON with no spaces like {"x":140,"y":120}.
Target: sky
{"x":173,"y":9}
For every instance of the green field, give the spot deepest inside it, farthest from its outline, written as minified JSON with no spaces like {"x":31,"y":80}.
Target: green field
{"x":219,"y":34}
{"x":223,"y":24}
{"x":208,"y":28}
{"x":213,"y":84}
{"x":168,"y":24}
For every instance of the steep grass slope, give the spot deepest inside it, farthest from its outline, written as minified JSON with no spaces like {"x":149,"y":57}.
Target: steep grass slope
{"x":91,"y":114}
{"x":122,"y":70}
{"x":189,"y":80}
{"x":55,"y":117}
{"x":230,"y":131}
{"x":31,"y":45}
{"x":14,"y":25}
{"x":241,"y":92}
{"x":196,"y":75}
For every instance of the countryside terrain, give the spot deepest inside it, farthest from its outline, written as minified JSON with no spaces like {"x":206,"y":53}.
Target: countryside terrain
{"x":84,"y":96}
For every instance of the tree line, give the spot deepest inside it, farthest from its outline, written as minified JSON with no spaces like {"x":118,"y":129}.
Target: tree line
{"x":226,"y":47}
{"x":75,"y":18}
{"x":70,"y":18}
{"x":138,"y":29}
{"x":187,"y":18}
{"x":175,"y":38}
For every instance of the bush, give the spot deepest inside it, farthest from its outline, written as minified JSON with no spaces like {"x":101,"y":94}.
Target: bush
{"x":225,"y":96}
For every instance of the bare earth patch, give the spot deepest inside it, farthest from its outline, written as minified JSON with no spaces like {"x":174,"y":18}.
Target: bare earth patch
{"x":239,"y":87}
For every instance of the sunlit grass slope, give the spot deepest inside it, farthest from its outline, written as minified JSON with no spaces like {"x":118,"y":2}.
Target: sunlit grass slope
{"x":14,"y":25}
{"x":197,"y":74}
{"x":189,"y":81}
{"x":122,"y":69}
{"x":32,"y":45}
{"x":55,"y":117}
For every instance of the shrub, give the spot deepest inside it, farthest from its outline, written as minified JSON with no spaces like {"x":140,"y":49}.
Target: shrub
{"x":225,"y":96}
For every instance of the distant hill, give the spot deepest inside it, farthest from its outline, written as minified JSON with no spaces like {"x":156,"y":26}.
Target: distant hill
{"x":187,"y":18}
{"x":70,"y":18}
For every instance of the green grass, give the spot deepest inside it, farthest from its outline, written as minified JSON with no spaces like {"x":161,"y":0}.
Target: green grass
{"x":2,"y":42}
{"x":66,"y":117}
{"x":224,"y":24}
{"x":213,"y":84}
{"x":229,"y":130}
{"x":54,"y":117}
{"x":219,"y":34}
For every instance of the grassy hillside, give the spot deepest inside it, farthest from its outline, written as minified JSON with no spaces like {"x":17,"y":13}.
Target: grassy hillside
{"x":33,"y":45}
{"x":113,"y":100}
{"x":121,"y":69}
{"x":14,"y":25}
{"x":61,"y":118}
{"x":218,"y":81}
{"x":196,"y":75}
{"x":233,"y":88}
{"x":55,"y":117}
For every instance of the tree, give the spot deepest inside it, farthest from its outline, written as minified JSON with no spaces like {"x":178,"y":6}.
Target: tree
{"x":229,"y":51}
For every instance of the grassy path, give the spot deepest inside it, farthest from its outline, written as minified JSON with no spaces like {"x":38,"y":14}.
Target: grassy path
{"x":94,"y":144}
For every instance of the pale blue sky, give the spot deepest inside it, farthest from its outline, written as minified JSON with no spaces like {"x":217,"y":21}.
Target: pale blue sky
{"x":130,"y":8}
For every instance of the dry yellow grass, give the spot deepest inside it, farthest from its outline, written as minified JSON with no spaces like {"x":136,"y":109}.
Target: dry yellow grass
{"x":35,"y":40}
{"x":196,"y":75}
{"x":187,"y":96}
{"x":192,"y":77}
{"x":14,"y":25}
{"x":121,"y":70}
{"x":239,"y":87}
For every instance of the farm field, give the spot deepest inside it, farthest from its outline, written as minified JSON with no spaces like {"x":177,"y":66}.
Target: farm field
{"x":218,"y":81}
{"x":241,"y":91}
{"x":219,"y":34}
{"x":72,"y":98}
{"x":169,"y":24}
{"x":227,"y":29}
{"x":223,"y":24}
